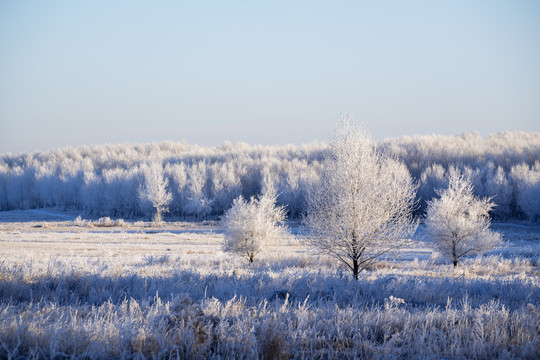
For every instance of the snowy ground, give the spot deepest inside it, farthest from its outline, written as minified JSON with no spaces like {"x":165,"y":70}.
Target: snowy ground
{"x":76,"y":289}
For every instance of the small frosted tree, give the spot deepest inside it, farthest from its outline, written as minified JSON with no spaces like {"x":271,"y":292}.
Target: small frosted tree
{"x":458,"y":222}
{"x":154,"y":191}
{"x":250,"y":226}
{"x":362,"y":207}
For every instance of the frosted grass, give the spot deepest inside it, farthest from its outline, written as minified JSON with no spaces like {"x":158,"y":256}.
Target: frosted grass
{"x":73,"y":293}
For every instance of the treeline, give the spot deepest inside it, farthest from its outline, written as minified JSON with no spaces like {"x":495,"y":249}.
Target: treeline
{"x":504,"y":166}
{"x":105,"y":180}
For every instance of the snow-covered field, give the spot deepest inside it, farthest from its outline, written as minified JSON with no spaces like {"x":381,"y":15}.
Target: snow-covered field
{"x":79,"y":289}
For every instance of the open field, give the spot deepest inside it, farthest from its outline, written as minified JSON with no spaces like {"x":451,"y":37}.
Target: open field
{"x":73,"y":290}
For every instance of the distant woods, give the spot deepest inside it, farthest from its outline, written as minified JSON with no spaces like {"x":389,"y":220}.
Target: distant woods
{"x":108,"y":180}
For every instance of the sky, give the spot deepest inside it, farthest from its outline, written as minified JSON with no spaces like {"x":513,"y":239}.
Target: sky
{"x":263,"y":72}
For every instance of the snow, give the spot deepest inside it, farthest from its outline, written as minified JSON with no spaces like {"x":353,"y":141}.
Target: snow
{"x":138,"y":291}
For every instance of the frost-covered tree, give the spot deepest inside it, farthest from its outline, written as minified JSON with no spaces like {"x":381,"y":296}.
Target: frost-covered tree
{"x":458,"y":222}
{"x":198,"y":203}
{"x":225,"y":186}
{"x":500,"y":189}
{"x":528,"y":189}
{"x":250,"y":226}
{"x":177,"y":174}
{"x":154,"y":191}
{"x":92,"y":193}
{"x":4,"y":175}
{"x":362,"y":207}
{"x":433,"y":177}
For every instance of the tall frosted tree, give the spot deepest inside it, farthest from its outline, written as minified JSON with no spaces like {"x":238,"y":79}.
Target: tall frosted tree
{"x":154,"y":191}
{"x":362,"y":207}
{"x":458,"y":222}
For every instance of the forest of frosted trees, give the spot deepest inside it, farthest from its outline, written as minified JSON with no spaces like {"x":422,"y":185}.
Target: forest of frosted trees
{"x":203,"y":181}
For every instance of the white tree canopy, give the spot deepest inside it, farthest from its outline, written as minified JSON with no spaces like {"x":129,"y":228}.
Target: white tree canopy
{"x":362,"y":207}
{"x":458,"y":222}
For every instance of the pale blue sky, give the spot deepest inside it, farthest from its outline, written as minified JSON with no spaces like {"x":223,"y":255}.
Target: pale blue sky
{"x":270,"y":72}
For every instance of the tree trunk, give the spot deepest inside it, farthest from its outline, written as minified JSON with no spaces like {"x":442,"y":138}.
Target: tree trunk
{"x":356,"y":267}
{"x":157,"y":216}
{"x":454,"y":255}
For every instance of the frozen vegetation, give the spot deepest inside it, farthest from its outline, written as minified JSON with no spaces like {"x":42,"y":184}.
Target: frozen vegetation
{"x":458,"y":223}
{"x":251,"y":226}
{"x":111,"y":180}
{"x":131,"y":290}
{"x":362,"y":207}
{"x":355,"y":274}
